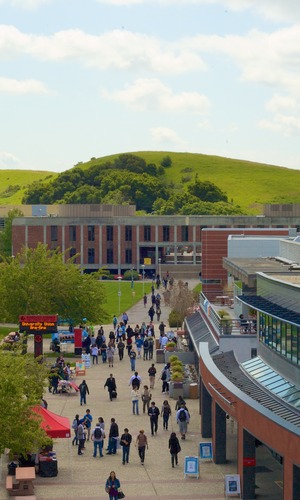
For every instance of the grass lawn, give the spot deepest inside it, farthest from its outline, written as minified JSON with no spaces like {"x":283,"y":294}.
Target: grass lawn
{"x":127,"y":298}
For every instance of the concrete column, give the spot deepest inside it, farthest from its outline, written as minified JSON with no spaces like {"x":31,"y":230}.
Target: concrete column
{"x":220,"y":435}
{"x":296,"y":482}
{"x":248,"y":465}
{"x":206,"y":411}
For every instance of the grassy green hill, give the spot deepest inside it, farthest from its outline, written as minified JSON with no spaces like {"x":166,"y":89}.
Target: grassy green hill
{"x":14,"y":182}
{"x":247,"y":184}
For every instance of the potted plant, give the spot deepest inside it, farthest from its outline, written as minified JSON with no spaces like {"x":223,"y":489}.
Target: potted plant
{"x":170,"y":346}
{"x":177,"y":376}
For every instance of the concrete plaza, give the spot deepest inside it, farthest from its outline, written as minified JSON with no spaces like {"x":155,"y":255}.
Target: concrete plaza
{"x":84,"y":476}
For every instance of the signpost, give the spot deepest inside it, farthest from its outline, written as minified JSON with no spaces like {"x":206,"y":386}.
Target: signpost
{"x":191,"y":466}
{"x":38,"y":324}
{"x":206,"y":451}
{"x":232,"y":485}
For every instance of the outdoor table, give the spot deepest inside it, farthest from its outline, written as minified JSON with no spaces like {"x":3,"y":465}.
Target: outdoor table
{"x":25,"y":477}
{"x":223,"y":299}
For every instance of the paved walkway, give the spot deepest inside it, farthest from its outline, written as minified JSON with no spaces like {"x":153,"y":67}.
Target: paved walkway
{"x":84,"y":476}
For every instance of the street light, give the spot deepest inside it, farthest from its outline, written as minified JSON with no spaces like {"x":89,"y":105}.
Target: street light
{"x":119,"y":293}
{"x":132,"y":282}
{"x":143,"y":272}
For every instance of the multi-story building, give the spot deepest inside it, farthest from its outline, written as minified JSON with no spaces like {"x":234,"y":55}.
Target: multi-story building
{"x":250,"y":375}
{"x":116,"y":238}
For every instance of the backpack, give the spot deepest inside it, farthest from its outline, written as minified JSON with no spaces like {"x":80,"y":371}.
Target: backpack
{"x":164,"y":375}
{"x":97,"y":433}
{"x":136,"y":382}
{"x":182,"y":416}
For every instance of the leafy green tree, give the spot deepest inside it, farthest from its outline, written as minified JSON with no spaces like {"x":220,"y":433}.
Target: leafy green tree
{"x":37,"y":281}
{"x":166,"y":162}
{"x":207,"y":191}
{"x":22,"y":386}
{"x":6,"y":234}
{"x":130,"y":162}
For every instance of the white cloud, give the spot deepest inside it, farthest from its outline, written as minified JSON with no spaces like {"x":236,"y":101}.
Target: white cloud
{"x":11,"y":86}
{"x":152,"y":94}
{"x":285,"y":124}
{"x":281,"y":102}
{"x":26,"y":4}
{"x":277,"y":10}
{"x":9,"y":161}
{"x":165,"y":135}
{"x":116,"y":49}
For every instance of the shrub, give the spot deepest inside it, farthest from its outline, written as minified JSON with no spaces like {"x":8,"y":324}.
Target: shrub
{"x":129,"y":275}
{"x":173,"y":358}
{"x":175,"y":319}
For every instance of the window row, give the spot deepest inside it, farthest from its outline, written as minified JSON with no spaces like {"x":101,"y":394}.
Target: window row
{"x":280,"y":336}
{"x":147,"y":233}
{"x":109,"y":255}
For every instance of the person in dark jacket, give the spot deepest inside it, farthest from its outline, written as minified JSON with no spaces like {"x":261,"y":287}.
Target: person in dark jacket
{"x":111,"y":385}
{"x":113,"y":435}
{"x":151,"y":313}
{"x":125,"y":442}
{"x":112,"y":486}
{"x":153,"y":413}
{"x":174,"y":448}
{"x":83,"y":389}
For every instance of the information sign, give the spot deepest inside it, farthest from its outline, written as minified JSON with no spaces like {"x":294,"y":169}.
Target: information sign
{"x":191,"y":466}
{"x":206,"y":451}
{"x":232,"y":485}
{"x":38,"y":323}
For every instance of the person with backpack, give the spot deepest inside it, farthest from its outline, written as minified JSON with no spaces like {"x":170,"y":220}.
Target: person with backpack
{"x":135,"y":380}
{"x":75,"y":427}
{"x":166,"y":377}
{"x":182,"y":419}
{"x":97,"y":438}
{"x":83,"y":389}
{"x":145,"y":349}
{"x":81,"y":437}
{"x":174,"y":448}
{"x":152,"y":373}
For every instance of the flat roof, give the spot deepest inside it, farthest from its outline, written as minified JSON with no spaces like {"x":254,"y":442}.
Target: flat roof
{"x":246,"y":269}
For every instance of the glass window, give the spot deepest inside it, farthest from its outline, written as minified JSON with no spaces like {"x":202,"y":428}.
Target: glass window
{"x":54,"y":233}
{"x":110,"y":256}
{"x":109,"y":233}
{"x":128,"y":233}
{"x":91,"y":255}
{"x":166,"y":233}
{"x":184,"y":233}
{"x":280,"y":388}
{"x":72,"y":233}
{"x":128,"y":256}
{"x":72,"y":253}
{"x":147,"y":233}
{"x":91,"y":233}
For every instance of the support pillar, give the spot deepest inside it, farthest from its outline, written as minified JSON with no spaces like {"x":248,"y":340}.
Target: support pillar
{"x":296,"y":482}
{"x":248,"y":465}
{"x":206,"y":412}
{"x":220,"y":435}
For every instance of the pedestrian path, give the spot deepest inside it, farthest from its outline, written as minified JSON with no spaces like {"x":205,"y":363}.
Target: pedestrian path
{"x":84,"y":476}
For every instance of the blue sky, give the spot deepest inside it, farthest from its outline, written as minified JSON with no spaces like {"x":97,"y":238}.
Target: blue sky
{"x":88,"y":78}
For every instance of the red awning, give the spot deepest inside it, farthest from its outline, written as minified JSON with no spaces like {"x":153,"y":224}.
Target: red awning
{"x":54,"y":425}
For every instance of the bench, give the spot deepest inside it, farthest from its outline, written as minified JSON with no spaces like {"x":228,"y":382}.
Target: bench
{"x":11,"y":487}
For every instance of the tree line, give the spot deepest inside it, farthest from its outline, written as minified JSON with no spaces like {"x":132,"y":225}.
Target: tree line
{"x":129,"y":179}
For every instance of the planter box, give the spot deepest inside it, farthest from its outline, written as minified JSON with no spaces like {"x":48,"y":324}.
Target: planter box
{"x":160,"y":356}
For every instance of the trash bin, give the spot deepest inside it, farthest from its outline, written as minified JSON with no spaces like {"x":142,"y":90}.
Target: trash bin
{"x":193,"y":391}
{"x":12,"y":469}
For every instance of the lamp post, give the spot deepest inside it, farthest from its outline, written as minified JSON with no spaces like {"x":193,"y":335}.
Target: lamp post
{"x":119,"y":293}
{"x":132,"y":282}
{"x":143,"y":273}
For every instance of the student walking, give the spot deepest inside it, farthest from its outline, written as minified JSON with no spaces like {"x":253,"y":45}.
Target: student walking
{"x":112,"y":486}
{"x":141,"y":443}
{"x":152,"y":373}
{"x":111,"y":386}
{"x":165,"y":413}
{"x":135,"y":397}
{"x":182,"y":419}
{"x":125,"y":442}
{"x":174,"y":448}
{"x":83,"y":389}
{"x":97,"y":438}
{"x":153,"y":413}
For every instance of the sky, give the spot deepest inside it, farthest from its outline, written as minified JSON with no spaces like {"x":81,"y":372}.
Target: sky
{"x":89,"y":78}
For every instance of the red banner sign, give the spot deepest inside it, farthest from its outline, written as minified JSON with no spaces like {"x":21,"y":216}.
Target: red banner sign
{"x":249,"y":462}
{"x":38,"y":323}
